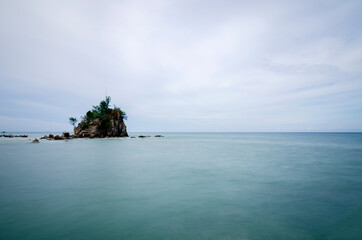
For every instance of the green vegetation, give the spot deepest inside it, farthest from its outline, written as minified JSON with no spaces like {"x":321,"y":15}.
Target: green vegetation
{"x":102,"y":112}
{"x":73,"y":121}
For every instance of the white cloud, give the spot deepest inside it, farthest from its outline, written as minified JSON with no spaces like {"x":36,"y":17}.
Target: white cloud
{"x":254,"y":66}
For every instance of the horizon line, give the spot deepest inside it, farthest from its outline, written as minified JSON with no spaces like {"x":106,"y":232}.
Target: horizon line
{"x":360,"y":131}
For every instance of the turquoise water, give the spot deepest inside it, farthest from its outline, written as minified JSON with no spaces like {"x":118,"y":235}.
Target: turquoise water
{"x":183,"y":186}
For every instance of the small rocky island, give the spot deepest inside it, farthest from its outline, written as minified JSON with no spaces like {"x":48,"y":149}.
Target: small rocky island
{"x":100,"y":122}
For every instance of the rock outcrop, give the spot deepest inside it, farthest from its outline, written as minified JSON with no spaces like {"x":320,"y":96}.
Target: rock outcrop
{"x":12,"y":136}
{"x":111,"y":126}
{"x":143,"y":136}
{"x":64,"y":136}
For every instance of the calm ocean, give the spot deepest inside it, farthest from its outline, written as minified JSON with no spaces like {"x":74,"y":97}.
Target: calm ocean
{"x":183,"y":186}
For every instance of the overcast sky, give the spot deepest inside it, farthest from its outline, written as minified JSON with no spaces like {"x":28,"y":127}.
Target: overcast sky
{"x":183,"y":65}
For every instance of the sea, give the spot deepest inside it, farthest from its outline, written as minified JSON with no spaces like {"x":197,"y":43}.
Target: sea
{"x":183,"y":186}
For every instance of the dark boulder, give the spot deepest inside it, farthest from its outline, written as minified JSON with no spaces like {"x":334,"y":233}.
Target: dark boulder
{"x":44,"y":137}
{"x":143,"y":136}
{"x":57,"y":137}
{"x":65,"y":135}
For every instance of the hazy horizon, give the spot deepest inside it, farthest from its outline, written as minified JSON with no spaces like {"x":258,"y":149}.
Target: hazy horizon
{"x":183,"y":66}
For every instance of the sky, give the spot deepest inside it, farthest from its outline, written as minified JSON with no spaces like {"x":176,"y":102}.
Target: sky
{"x":183,"y":66}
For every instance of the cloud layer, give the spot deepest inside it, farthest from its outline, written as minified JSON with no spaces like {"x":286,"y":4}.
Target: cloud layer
{"x":183,"y":65}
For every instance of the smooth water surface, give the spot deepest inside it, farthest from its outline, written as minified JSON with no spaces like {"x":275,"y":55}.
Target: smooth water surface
{"x":183,"y":186}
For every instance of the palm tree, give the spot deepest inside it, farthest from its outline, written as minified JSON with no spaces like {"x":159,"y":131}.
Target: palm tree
{"x":73,"y":121}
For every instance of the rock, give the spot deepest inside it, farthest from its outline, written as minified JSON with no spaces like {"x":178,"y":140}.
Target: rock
{"x":84,"y":134}
{"x":133,"y":137}
{"x":65,"y":135}
{"x":159,"y":136}
{"x":142,"y":136}
{"x":22,"y":136}
{"x":57,"y":137}
{"x":35,"y":141}
{"x":114,"y":126}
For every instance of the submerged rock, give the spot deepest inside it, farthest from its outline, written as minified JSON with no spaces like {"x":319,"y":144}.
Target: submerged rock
{"x":142,"y":136}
